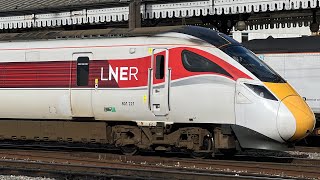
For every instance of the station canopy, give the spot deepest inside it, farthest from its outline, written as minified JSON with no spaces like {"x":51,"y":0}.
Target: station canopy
{"x":26,"y":14}
{"x":15,"y":7}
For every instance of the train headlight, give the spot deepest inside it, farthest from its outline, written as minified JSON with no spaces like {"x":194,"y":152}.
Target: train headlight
{"x":261,"y":91}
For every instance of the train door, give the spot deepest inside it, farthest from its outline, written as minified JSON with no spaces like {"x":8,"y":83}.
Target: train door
{"x":159,"y":77}
{"x":81,"y":103}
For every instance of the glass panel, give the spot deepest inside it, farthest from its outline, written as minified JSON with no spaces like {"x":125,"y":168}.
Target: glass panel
{"x":159,"y":67}
{"x":82,"y":71}
{"x":252,"y":63}
{"x":196,"y":63}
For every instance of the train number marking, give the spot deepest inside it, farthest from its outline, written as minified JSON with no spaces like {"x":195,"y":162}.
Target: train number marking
{"x":127,"y":103}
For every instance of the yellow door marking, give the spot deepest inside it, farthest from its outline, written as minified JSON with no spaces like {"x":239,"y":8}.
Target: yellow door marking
{"x":150,"y":50}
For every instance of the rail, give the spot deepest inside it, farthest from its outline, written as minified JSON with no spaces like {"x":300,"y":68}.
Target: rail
{"x":109,"y":165}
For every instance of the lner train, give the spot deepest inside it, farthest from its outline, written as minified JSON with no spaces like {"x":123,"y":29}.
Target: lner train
{"x":165,"y":88}
{"x":298,"y":61}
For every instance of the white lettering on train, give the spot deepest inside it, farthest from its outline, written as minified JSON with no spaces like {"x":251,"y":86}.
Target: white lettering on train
{"x":122,"y":73}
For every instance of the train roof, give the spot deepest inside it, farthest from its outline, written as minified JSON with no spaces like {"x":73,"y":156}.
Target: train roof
{"x":284,"y":45}
{"x":211,"y":36}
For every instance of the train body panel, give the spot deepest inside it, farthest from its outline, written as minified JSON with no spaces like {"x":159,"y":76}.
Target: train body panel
{"x":30,"y":103}
{"x":218,"y":108}
{"x":249,"y":116}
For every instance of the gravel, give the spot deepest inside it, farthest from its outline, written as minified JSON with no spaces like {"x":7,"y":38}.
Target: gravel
{"x":293,"y":154}
{"x":308,"y":155}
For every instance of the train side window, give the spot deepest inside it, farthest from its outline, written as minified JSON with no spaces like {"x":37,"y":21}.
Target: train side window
{"x":160,"y":67}
{"x":82,"y":71}
{"x":195,"y":63}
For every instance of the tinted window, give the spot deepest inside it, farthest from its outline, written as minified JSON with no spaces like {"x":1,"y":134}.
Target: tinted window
{"x":159,"y":67}
{"x":82,"y":71}
{"x":252,"y":63}
{"x":196,"y":63}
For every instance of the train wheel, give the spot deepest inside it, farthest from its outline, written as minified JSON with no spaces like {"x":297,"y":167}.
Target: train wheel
{"x":129,"y":150}
{"x":207,"y":148}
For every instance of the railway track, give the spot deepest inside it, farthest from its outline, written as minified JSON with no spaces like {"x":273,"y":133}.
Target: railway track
{"x":151,"y":167}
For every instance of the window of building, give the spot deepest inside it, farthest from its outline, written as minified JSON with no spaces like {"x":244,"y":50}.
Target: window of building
{"x":244,"y":37}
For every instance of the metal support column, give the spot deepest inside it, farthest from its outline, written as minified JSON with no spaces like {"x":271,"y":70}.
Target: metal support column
{"x":134,"y":14}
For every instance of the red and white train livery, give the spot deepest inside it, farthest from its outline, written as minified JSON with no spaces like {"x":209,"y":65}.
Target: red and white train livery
{"x":182,"y":87}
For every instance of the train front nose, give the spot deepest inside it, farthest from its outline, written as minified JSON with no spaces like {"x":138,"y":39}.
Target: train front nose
{"x":295,"y":119}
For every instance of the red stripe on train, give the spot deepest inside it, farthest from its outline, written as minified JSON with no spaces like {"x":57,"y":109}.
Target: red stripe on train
{"x":63,"y":74}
